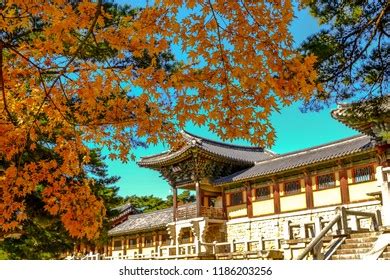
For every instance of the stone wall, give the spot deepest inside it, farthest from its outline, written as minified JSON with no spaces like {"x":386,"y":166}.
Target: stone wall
{"x":272,"y":227}
{"x":215,"y":232}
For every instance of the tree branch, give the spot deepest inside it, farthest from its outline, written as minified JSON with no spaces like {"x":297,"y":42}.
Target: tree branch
{"x":3,"y":88}
{"x":220,"y":45}
{"x":48,"y":91}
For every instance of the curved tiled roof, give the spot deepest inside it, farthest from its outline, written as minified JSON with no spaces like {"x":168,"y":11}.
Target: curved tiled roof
{"x":371,"y":116}
{"x":224,"y":150}
{"x":123,"y":210}
{"x":364,"y":110}
{"x":144,"y":221}
{"x":301,"y":158}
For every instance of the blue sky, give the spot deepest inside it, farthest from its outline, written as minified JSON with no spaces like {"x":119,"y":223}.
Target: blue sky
{"x":294,"y":130}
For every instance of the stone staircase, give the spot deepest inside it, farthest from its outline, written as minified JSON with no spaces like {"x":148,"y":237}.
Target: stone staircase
{"x":357,"y":245}
{"x":386,"y":254}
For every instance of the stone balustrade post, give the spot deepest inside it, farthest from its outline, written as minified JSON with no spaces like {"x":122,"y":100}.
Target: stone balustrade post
{"x":186,"y":250}
{"x":232,"y":249}
{"x":302,"y":230}
{"x":246,"y":246}
{"x":355,"y":223}
{"x":277,"y":243}
{"x":378,"y":215}
{"x":158,"y":251}
{"x":344,"y":221}
{"x":383,"y":180}
{"x":287,"y":230}
{"x":177,"y":246}
{"x":261,"y":244}
{"x":317,"y":225}
{"x":215,"y":247}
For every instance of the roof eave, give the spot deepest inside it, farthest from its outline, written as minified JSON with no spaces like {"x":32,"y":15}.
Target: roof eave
{"x":256,"y":176}
{"x":121,"y":233}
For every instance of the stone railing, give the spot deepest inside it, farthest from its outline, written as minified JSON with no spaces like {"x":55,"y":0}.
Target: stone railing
{"x":336,"y":228}
{"x":180,"y":251}
{"x":353,"y":222}
{"x":247,"y":245}
{"x":201,"y":249}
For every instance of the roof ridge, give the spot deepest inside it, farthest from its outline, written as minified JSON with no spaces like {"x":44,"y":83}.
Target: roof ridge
{"x":151,"y":212}
{"x":159,"y":154}
{"x":160,"y":210}
{"x":223,"y":143}
{"x":316,"y":154}
{"x":317,"y":147}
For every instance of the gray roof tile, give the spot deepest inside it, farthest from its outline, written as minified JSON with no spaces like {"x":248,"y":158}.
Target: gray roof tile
{"x":144,"y":221}
{"x":301,"y":158}
{"x":228,"y":151}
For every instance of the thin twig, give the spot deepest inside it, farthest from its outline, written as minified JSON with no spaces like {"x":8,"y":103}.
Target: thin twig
{"x":220,"y":46}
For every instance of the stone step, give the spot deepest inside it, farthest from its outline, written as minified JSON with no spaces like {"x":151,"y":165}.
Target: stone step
{"x":365,"y":234}
{"x":361,"y":240}
{"x":356,"y":246}
{"x":352,"y":251}
{"x":347,"y":257}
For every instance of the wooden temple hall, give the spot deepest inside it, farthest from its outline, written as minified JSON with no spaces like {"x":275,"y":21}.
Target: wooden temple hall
{"x":253,"y":203}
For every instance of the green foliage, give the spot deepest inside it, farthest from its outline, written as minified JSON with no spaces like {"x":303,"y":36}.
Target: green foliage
{"x":183,"y":197}
{"x":38,"y":242}
{"x":147,"y":203}
{"x":352,"y":48}
{"x":151,"y":203}
{"x":3,"y":255}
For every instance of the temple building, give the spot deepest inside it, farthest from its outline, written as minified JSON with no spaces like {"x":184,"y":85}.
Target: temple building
{"x":254,"y":203}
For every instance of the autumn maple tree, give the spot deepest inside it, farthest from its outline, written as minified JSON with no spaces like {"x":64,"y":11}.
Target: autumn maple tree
{"x":43,"y":236}
{"x":83,"y":75}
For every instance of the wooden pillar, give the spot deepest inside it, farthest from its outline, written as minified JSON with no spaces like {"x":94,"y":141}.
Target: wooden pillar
{"x":139,"y":243}
{"x":110,"y":247}
{"x":155,"y":240}
{"x":275,"y":189}
{"x":381,"y":155}
{"x":249,"y":200}
{"x":206,"y":201}
{"x":198,"y":199}
{"x":224,"y":203}
{"x":344,"y":185}
{"x":124,"y":245}
{"x":174,"y":198}
{"x":308,"y":190}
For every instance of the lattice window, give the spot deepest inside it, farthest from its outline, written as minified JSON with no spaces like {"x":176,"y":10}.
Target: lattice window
{"x":263,"y":193}
{"x":133,"y":243}
{"x":148,"y":241}
{"x":326,"y":181}
{"x":292,"y":187}
{"x":363,"y":174}
{"x":236,"y":198}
